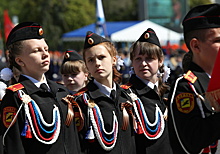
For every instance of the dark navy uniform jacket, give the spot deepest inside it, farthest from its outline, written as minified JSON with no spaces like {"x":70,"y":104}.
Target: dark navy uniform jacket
{"x":149,"y":99}
{"x":197,"y":125}
{"x":67,"y":142}
{"x":125,"y":143}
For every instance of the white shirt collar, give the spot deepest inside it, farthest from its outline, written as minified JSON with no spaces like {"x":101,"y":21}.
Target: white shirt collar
{"x":36,"y":82}
{"x":148,"y":83}
{"x":104,"y":89}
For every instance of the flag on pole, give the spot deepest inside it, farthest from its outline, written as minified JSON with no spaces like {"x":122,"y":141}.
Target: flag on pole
{"x":1,"y":42}
{"x":213,"y":91}
{"x":8,"y":25}
{"x":2,"y":53}
{"x":100,"y":20}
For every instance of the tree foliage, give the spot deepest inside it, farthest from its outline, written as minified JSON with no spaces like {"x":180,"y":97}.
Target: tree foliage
{"x":120,"y":10}
{"x":193,"y":3}
{"x":56,"y":16}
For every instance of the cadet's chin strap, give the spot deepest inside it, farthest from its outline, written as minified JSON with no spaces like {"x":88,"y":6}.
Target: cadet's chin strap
{"x":171,"y":111}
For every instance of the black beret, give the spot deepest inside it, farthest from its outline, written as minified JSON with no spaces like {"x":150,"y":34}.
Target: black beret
{"x":202,"y":17}
{"x":71,"y":55}
{"x":93,"y":39}
{"x":150,"y":36}
{"x":25,"y":31}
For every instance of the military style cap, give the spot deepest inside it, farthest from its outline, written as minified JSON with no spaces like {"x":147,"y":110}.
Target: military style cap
{"x":93,"y":39}
{"x":25,"y":31}
{"x":150,"y":36}
{"x":71,"y":55}
{"x":202,"y":17}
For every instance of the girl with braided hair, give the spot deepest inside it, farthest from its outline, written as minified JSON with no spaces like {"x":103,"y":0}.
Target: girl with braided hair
{"x":147,"y":88}
{"x":106,"y":107}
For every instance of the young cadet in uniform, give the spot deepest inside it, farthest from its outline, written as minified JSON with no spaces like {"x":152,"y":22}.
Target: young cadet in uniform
{"x":106,"y":107}
{"x":193,"y":125}
{"x":32,"y":113}
{"x":74,"y":71}
{"x":147,"y":88}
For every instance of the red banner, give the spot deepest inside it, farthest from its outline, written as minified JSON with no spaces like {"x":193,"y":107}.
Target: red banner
{"x":8,"y":25}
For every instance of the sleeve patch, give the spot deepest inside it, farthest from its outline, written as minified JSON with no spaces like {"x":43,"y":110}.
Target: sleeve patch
{"x":78,"y":120}
{"x":185,"y":102}
{"x":8,"y":115}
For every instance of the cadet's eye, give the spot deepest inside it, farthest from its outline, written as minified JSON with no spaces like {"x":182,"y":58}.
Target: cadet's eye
{"x":101,"y":57}
{"x":137,"y":58}
{"x":90,"y":60}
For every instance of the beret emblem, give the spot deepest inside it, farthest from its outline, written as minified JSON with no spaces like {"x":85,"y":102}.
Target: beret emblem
{"x":90,"y":41}
{"x":67,"y":55}
{"x":147,"y":35}
{"x":41,"y":31}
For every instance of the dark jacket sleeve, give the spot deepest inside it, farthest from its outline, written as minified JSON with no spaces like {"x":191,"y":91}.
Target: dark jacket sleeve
{"x":194,"y":131}
{"x":9,"y":106}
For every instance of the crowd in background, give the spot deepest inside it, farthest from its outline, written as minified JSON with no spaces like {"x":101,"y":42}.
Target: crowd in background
{"x":173,"y":60}
{"x":146,"y":113}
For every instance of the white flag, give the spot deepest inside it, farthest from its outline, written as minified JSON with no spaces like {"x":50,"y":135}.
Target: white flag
{"x":100,"y":20}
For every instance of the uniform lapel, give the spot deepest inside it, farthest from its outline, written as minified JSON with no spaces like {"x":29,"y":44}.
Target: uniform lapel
{"x":140,"y":87}
{"x":202,"y":82}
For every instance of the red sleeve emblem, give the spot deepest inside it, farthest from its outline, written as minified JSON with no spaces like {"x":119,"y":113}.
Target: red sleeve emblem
{"x":8,"y":115}
{"x":185,"y":102}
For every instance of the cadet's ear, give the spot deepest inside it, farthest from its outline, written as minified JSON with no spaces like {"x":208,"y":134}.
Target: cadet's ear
{"x":161,"y":62}
{"x":19,"y":61}
{"x":194,"y":45}
{"x":114,"y":60}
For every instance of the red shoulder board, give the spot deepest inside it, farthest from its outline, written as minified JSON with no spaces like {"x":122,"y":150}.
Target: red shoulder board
{"x":190,"y":77}
{"x":81,"y":91}
{"x":59,"y":82}
{"x":15,"y":87}
{"x":126,"y":86}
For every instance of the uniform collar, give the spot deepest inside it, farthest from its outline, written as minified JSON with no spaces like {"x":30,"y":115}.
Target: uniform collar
{"x":203,"y":78}
{"x":32,"y":88}
{"x":36,"y":82}
{"x":104,"y":89}
{"x":148,"y":83}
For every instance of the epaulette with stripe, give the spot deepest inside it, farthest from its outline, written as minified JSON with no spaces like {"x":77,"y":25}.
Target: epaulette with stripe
{"x":81,"y":91}
{"x":190,"y":77}
{"x":126,"y":86}
{"x":15,"y":87}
